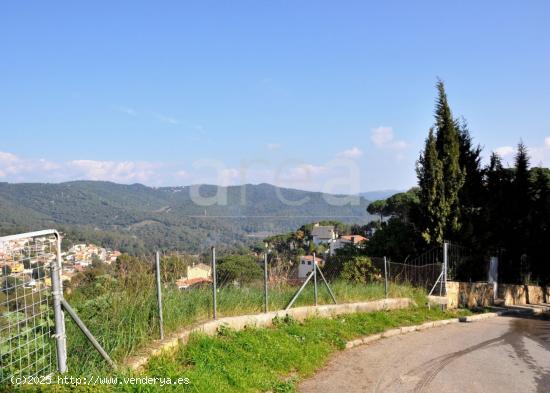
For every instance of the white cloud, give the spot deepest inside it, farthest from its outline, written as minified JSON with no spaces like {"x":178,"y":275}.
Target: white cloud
{"x":334,"y":175}
{"x":229,"y":176}
{"x":273,"y":146}
{"x":129,"y":111}
{"x":354,"y":152}
{"x":182,"y":174}
{"x":12,"y":165}
{"x":538,"y":154}
{"x":123,"y":171}
{"x":505,"y":151}
{"x":304,"y":172}
{"x":384,"y":138}
{"x":167,"y":119}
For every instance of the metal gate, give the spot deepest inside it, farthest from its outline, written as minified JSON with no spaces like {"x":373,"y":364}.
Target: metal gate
{"x":28,"y":331}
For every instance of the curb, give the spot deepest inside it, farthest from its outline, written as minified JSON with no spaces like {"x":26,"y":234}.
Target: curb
{"x":416,"y":328}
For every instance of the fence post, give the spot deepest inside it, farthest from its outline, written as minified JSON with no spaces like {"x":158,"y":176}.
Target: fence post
{"x":59,"y":318}
{"x":265,"y":282}
{"x":159,"y":295}
{"x":87,"y":333}
{"x":386,"y":277}
{"x":445,"y":263}
{"x":214,"y":288}
{"x":315,"y":279}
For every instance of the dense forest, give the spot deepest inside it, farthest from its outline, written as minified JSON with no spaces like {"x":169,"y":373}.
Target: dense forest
{"x":136,"y":218}
{"x":490,"y":210}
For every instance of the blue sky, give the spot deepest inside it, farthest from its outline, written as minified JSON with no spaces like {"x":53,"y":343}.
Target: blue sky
{"x":322,"y":95}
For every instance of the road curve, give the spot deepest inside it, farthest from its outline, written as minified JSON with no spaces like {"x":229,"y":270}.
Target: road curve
{"x":503,"y":354}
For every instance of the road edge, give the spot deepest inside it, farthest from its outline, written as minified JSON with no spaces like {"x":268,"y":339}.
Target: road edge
{"x":416,"y":328}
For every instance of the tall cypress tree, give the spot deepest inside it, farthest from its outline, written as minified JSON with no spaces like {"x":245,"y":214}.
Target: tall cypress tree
{"x":440,"y":176}
{"x":520,"y":228}
{"x":472,"y":193}
{"x":429,"y":170}
{"x":448,"y":149}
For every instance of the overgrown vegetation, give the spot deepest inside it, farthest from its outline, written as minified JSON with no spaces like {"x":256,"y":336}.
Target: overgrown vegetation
{"x":119,"y":303}
{"x":275,"y":359}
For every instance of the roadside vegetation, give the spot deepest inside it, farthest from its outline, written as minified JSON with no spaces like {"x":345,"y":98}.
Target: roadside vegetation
{"x":259,"y":359}
{"x":124,"y":317}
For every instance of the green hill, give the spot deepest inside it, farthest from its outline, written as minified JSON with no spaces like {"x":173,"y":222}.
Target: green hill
{"x":137,"y":218}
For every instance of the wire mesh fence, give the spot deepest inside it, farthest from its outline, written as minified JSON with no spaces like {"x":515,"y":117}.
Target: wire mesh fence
{"x":120,"y":300}
{"x":26,"y":315}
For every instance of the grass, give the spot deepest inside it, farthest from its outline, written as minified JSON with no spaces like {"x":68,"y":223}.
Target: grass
{"x":124,"y":321}
{"x":259,"y":360}
{"x":256,"y":360}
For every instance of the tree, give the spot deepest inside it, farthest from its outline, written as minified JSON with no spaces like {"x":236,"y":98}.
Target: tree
{"x":496,"y":214}
{"x":429,"y":170}
{"x":238,"y":268}
{"x":472,"y":193}
{"x":359,"y":269}
{"x":6,"y":270}
{"x":397,"y":240}
{"x":440,"y":176}
{"x":377,"y":207}
{"x":519,"y":211}
{"x":448,"y":149}
{"x":401,"y":205}
{"x":540,"y":224}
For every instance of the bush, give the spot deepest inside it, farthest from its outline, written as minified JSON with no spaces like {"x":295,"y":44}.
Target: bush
{"x":359,"y":269}
{"x":240,"y":268}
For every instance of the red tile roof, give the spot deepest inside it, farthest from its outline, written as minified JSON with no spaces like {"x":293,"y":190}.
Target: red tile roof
{"x":354,"y":238}
{"x":184,"y":282}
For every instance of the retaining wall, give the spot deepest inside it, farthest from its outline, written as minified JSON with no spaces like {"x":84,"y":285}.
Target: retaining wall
{"x":481,"y":294}
{"x":466,"y":294}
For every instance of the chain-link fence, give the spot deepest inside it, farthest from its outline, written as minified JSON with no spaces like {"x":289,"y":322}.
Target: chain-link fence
{"x":26,"y":313}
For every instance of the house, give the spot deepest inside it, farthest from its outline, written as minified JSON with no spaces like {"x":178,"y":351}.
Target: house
{"x":16,"y":267}
{"x":356,"y":240}
{"x":306,"y":265}
{"x":323,"y":234}
{"x":196,"y":274}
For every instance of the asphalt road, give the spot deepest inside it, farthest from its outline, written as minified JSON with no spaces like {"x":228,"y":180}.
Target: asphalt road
{"x":502,"y":354}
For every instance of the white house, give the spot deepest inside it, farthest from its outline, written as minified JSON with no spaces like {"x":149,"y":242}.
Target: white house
{"x":306,"y":265}
{"x":323,"y":234}
{"x":200,"y":273}
{"x":356,"y":240}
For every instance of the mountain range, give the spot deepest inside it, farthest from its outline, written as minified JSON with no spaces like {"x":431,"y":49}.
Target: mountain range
{"x":137,"y":219}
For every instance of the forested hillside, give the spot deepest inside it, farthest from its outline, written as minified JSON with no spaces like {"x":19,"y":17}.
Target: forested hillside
{"x":135,"y":217}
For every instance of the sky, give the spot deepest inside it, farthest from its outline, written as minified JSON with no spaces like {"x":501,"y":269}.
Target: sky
{"x":333,"y":96}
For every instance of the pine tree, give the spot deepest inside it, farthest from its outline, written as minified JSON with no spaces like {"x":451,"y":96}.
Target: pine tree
{"x":429,"y":170}
{"x":448,"y":149}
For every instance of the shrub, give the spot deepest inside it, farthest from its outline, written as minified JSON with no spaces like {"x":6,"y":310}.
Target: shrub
{"x":359,"y":269}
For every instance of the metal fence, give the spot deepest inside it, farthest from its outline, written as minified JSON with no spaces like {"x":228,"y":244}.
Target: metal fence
{"x":168,"y":290}
{"x":26,"y":312}
{"x":32,"y":323}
